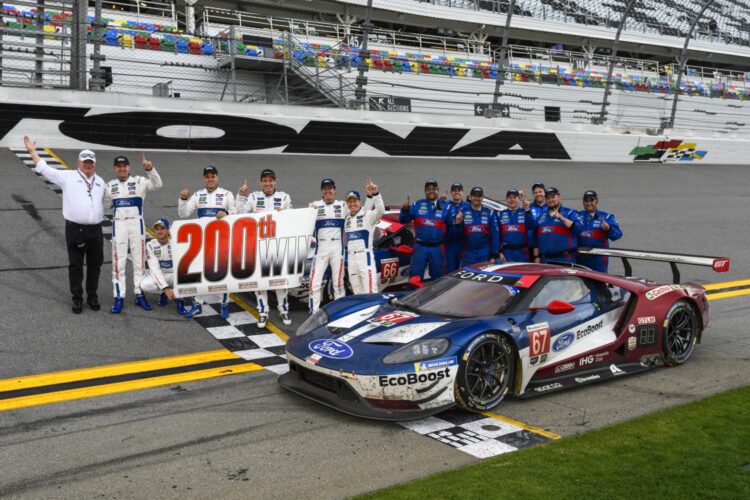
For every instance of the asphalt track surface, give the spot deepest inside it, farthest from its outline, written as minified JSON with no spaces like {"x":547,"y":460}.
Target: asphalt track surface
{"x":242,"y":436}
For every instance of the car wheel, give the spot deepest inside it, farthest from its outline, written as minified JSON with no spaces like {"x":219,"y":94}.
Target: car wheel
{"x":681,"y":331}
{"x":485,"y":372}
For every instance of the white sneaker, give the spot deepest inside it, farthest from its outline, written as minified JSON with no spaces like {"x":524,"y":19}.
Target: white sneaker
{"x":286,"y":319}
{"x":262,"y":320}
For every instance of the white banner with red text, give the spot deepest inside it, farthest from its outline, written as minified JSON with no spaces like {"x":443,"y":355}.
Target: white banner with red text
{"x":241,"y":253}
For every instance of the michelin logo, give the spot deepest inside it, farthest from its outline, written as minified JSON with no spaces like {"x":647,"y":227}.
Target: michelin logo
{"x":435,"y":363}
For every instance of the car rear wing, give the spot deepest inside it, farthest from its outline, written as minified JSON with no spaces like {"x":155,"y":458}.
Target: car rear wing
{"x":718,"y":264}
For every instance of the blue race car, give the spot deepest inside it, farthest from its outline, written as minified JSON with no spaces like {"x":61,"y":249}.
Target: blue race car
{"x":487,"y":330}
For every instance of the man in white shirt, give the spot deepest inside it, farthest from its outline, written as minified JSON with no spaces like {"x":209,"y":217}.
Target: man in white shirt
{"x":360,"y":230}
{"x":160,"y":275}
{"x":329,"y":240}
{"x":267,"y":200}
{"x":83,"y":210}
{"x":126,"y":195}
{"x":212,"y":201}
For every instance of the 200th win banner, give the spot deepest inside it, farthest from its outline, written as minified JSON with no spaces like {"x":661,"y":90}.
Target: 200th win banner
{"x":241,"y":253}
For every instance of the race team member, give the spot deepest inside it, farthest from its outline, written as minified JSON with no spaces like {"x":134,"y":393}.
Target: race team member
{"x":537,"y":207}
{"x":360,"y":229}
{"x":431,"y":219}
{"x":329,"y":238}
{"x":212,"y":201}
{"x":598,"y":228}
{"x":454,"y":237}
{"x":160,"y":275}
{"x":514,"y":228}
{"x":480,"y":231}
{"x":267,"y":200}
{"x":83,"y":211}
{"x":556,"y":231}
{"x":126,"y":195}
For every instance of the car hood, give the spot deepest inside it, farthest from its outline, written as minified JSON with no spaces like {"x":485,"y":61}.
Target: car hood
{"x":359,"y":340}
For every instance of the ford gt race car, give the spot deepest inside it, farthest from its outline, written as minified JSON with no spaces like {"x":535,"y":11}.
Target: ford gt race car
{"x":471,"y":337}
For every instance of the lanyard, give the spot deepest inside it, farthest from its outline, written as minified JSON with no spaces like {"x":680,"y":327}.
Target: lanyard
{"x":89,"y":185}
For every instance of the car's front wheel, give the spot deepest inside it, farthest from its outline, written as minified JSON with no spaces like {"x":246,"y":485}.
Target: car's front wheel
{"x":485,"y":372}
{"x":681,"y":331}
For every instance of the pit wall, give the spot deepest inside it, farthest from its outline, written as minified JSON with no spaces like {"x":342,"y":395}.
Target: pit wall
{"x":71,"y":120}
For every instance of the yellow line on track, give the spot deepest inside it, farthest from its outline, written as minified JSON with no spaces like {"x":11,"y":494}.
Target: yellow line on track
{"x":726,"y":284}
{"x":53,"y":155}
{"x":726,"y":295}
{"x":135,"y":385}
{"x":27,"y":382}
{"x":269,"y":326}
{"x":530,"y":428}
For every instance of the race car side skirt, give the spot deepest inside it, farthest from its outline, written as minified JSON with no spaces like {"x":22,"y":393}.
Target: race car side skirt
{"x":537,"y":387}
{"x":718,"y":264}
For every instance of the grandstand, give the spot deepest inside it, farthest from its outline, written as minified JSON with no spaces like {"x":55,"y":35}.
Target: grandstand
{"x":308,"y":52}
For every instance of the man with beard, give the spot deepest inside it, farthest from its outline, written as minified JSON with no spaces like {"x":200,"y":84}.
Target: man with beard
{"x":454,"y":237}
{"x":557,"y":231}
{"x":480,"y":231}
{"x":598,"y":229}
{"x":515,"y":223}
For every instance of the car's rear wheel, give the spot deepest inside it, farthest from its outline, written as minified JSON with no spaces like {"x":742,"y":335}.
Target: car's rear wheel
{"x":681,"y":331}
{"x":485,"y":372}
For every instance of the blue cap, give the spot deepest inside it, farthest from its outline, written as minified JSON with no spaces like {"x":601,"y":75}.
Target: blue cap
{"x":162,"y":222}
{"x":457,"y":185}
{"x":352,"y":194}
{"x":327,"y":182}
{"x":512,"y":192}
{"x":431,"y":182}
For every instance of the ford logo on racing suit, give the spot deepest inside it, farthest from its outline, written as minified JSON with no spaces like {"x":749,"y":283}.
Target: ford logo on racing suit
{"x":476,"y":229}
{"x":429,"y":222}
{"x":330,"y":348}
{"x":563,"y":341}
{"x":510,"y":228}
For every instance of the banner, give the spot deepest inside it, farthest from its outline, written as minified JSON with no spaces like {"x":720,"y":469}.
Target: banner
{"x":241,"y":253}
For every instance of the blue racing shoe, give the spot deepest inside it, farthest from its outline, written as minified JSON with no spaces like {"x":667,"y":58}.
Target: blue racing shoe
{"x":117,"y":306}
{"x":224,"y":310}
{"x":194,"y":311}
{"x":163,"y":300}
{"x":180,"y":306}
{"x":140,"y":301}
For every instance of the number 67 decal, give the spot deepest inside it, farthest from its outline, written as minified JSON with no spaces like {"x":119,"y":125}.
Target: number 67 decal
{"x":539,"y":339}
{"x":219,"y":244}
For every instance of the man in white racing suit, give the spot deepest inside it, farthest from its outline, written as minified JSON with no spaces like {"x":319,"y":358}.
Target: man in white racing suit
{"x":329,"y":238}
{"x":126,"y":195}
{"x":160,"y":275}
{"x":267,"y":200}
{"x":212,"y":201}
{"x":360,"y":230}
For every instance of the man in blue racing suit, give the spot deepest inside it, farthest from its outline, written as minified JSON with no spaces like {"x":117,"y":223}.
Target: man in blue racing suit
{"x":454,"y":238}
{"x":480,"y":231}
{"x":514,"y":223}
{"x":557,"y":231}
{"x":431,"y":218}
{"x":598,"y":228}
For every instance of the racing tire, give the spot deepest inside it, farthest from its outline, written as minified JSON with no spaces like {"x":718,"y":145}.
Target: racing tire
{"x":485,"y":372}
{"x":681,"y":331}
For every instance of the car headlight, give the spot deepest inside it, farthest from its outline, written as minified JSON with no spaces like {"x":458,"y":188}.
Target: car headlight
{"x":318,"y":318}
{"x":417,"y":351}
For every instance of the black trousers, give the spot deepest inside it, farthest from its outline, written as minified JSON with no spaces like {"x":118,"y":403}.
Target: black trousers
{"x":84,"y":242}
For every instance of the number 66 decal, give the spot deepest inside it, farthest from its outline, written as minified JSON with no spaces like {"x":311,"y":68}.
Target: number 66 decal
{"x":219,"y":243}
{"x":388,"y":269}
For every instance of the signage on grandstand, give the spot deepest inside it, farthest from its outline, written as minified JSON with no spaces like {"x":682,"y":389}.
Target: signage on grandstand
{"x":240,"y":253}
{"x":482,"y":108}
{"x":390,"y":103}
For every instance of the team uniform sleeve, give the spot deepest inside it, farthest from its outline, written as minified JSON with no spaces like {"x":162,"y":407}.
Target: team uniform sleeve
{"x":242,"y":203}
{"x":154,"y":268}
{"x":185,"y":208}
{"x":615,"y":232}
{"x":406,"y":215}
{"x":107,"y":197}
{"x":153,"y":181}
{"x":230,"y":205}
{"x":51,"y":174}
{"x":287,"y":205}
{"x":494,"y":236}
{"x":532,"y":222}
{"x":577,"y":226}
{"x":376,"y":211}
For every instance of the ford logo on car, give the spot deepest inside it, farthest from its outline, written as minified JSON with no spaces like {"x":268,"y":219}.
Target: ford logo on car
{"x":330,"y":348}
{"x":563,"y":341}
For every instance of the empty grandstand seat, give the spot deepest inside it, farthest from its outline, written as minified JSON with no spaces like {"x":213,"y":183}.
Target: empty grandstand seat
{"x":127,"y":40}
{"x":141,"y":42}
{"x":182,"y":46}
{"x":207,"y":49}
{"x":169,"y":44}
{"x":194,"y":47}
{"x":110,"y":37}
{"x":154,"y":43}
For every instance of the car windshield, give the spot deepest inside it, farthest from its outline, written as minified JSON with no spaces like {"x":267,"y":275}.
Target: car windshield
{"x":451,"y":296}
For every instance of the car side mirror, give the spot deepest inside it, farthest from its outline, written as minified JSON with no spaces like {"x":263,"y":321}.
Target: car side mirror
{"x":556,"y":307}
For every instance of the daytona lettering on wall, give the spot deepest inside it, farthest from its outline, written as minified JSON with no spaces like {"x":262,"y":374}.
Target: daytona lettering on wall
{"x":240,"y":252}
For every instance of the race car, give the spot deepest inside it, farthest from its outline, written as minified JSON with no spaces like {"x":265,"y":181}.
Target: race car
{"x":485,"y":331}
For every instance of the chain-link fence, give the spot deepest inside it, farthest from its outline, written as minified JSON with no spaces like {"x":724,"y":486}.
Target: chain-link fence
{"x":460,"y":67}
